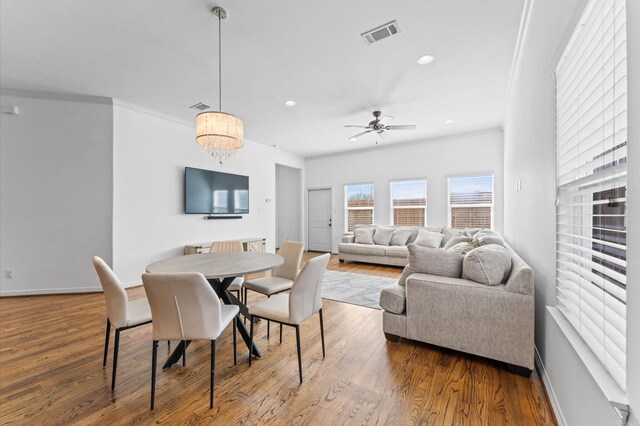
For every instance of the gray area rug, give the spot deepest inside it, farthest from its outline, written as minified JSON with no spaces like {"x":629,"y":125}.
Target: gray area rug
{"x":357,"y":289}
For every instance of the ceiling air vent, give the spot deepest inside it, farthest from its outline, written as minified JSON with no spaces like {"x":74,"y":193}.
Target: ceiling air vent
{"x":199,"y":106}
{"x":381,"y":32}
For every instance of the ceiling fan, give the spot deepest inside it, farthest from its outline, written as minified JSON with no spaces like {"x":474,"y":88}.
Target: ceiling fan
{"x":379,"y":125}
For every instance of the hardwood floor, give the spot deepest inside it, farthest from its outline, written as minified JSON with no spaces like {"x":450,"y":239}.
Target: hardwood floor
{"x":51,"y":373}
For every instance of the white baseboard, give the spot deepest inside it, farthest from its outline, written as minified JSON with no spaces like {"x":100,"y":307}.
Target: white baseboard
{"x":547,"y":385}
{"x":36,"y":292}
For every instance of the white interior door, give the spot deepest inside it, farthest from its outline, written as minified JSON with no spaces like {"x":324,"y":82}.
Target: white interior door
{"x":319,"y":220}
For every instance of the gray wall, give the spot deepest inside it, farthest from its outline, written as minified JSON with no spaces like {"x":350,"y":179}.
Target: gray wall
{"x":530,"y":139}
{"x":288,"y":204}
{"x":55,"y":193}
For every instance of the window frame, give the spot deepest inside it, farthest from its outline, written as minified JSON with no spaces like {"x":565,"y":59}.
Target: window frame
{"x":493,"y":196}
{"x":347,"y":208}
{"x":392,"y":207}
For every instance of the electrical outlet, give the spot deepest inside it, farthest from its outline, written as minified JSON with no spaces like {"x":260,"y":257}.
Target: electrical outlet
{"x":9,"y":274}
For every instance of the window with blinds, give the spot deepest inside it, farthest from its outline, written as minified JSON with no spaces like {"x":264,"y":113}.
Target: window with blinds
{"x":409,"y":202}
{"x":591,"y":108}
{"x":471,"y":201}
{"x":358,"y":205}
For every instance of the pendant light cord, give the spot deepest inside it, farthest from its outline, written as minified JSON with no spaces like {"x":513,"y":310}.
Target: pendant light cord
{"x":219,"y":64}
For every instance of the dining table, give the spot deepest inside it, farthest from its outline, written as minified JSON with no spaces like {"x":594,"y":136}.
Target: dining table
{"x":220,"y":269}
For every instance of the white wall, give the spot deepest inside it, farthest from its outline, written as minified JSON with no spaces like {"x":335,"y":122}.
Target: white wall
{"x":150,"y":153}
{"x":55,"y":192}
{"x":435,"y":159}
{"x":288,"y":204}
{"x":529,"y":226}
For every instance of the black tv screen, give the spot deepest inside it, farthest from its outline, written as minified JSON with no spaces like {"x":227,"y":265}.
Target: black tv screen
{"x":209,"y":192}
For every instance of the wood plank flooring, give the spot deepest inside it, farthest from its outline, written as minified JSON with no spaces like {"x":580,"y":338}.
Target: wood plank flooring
{"x":51,"y":373}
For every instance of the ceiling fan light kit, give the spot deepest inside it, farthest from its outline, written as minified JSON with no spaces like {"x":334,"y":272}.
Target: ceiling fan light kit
{"x":220,"y":134}
{"x":379,"y":125}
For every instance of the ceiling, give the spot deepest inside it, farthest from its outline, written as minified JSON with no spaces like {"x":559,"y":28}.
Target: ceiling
{"x":162,"y":55}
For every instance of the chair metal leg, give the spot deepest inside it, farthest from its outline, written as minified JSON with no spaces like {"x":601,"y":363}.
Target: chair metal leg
{"x":235,"y":340}
{"x":116,"y":344}
{"x":280,"y":333}
{"x":250,"y":338}
{"x":106,"y":343}
{"x":169,"y":345}
{"x":268,"y":324}
{"x":213,"y":372}
{"x":299,"y":351}
{"x":184,"y":353}
{"x":153,"y":373}
{"x":322,"y":331}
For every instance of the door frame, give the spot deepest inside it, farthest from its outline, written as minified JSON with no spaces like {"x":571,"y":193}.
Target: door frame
{"x":316,"y":188}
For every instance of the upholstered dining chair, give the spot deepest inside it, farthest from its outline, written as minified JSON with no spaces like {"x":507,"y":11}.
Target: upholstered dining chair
{"x":121,"y":313}
{"x":185,"y":307}
{"x":282,"y":277}
{"x":227,"y":246}
{"x":292,"y":309}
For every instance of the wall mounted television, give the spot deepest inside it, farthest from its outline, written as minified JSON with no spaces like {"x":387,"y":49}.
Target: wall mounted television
{"x":215,"y":193}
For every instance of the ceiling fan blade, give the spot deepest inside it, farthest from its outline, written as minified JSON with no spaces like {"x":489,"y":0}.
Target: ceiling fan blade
{"x":383,"y":135}
{"x":401,"y":127}
{"x":354,"y":137}
{"x":359,"y":127}
{"x":385,"y":119}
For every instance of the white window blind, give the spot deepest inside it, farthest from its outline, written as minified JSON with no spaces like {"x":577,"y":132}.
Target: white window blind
{"x":409,"y":202}
{"x":358,"y":205}
{"x":471,"y":201}
{"x":591,"y":108}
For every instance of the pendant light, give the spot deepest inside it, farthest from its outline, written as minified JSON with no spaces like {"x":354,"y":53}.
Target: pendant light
{"x":219,"y":133}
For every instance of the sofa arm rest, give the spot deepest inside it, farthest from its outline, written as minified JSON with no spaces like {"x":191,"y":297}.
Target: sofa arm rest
{"x":348,"y":237}
{"x":392,"y":299}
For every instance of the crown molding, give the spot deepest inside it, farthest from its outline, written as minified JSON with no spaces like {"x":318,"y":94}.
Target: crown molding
{"x":101,"y":100}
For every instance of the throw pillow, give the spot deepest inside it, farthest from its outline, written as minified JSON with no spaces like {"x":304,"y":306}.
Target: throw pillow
{"x":490,"y":239}
{"x":364,"y":235}
{"x":490,"y":265}
{"x":464,"y":247}
{"x":428,"y":239}
{"x":400,"y":237}
{"x":428,"y":260}
{"x":456,"y":239}
{"x":448,"y":233}
{"x":383,"y":235}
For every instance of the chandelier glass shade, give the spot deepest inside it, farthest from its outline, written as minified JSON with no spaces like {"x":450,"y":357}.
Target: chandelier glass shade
{"x":219,"y":133}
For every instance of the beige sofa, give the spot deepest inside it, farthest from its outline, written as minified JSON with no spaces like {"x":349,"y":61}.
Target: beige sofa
{"x":494,"y":321}
{"x":349,"y":250}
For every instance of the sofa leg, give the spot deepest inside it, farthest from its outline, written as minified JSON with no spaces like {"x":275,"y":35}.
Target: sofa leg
{"x":520,"y":371}
{"x":341,"y":260}
{"x":392,"y":337}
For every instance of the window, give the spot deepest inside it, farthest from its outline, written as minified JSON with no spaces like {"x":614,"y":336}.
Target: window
{"x":471,"y":202}
{"x":358,"y":205}
{"x":409,"y":202}
{"x":591,"y":110}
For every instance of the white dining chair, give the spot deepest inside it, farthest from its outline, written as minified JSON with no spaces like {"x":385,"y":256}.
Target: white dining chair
{"x":122,"y":314}
{"x":282,"y":276}
{"x":185,"y":307}
{"x":230,"y":246}
{"x":300,"y":303}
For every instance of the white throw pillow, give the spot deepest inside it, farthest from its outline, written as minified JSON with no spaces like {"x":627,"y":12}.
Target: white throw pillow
{"x":428,"y":239}
{"x":383,"y":235}
{"x":364,"y":235}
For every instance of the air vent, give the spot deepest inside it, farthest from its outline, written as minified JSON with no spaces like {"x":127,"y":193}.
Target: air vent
{"x":381,"y":32}
{"x":199,"y":106}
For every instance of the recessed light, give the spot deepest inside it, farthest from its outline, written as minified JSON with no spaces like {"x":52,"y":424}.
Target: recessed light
{"x":449,"y":122}
{"x":426,"y":59}
{"x":353,"y":139}
{"x":290,"y":102}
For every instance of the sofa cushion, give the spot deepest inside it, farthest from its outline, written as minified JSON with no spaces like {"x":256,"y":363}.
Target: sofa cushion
{"x":428,"y":239}
{"x":458,"y":238}
{"x":392,"y":299}
{"x":400,"y":237}
{"x":490,"y":265}
{"x":364,"y":235}
{"x":362,"y":249}
{"x":428,"y":260}
{"x":464,"y":247}
{"x":383,"y":234}
{"x":397,"y":251}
